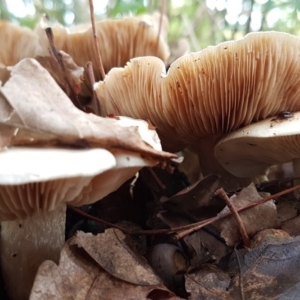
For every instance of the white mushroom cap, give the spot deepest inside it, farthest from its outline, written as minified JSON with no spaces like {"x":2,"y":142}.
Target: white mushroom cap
{"x":33,"y":179}
{"x":21,"y":165}
{"x":251,"y":150}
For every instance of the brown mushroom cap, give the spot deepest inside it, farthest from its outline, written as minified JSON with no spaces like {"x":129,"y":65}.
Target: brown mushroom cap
{"x":119,"y":41}
{"x":211,"y":92}
{"x":17,"y":43}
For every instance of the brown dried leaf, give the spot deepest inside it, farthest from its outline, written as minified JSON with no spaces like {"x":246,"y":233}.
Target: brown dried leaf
{"x":209,"y":283}
{"x":271,"y":271}
{"x":256,"y":219}
{"x":112,"y":252}
{"x":79,"y":277}
{"x":68,"y":74}
{"x":4,"y":74}
{"x":42,"y":106}
{"x":196,"y":196}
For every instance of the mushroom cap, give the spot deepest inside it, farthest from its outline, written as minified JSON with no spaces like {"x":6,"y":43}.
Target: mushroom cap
{"x":251,"y":150}
{"x":210,"y":92}
{"x":17,"y":43}
{"x":34,"y":180}
{"x":21,"y":165}
{"x":119,"y":41}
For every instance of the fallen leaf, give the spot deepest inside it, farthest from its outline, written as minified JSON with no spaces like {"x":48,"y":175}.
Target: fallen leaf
{"x":69,"y":75}
{"x":270,"y":271}
{"x":42,"y":106}
{"x":116,"y":257}
{"x":255,"y":219}
{"x":210,"y":283}
{"x":79,"y":277}
{"x":292,"y":226}
{"x":196,"y":197}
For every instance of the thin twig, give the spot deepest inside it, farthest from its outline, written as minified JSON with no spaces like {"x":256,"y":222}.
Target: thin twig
{"x":58,"y":57}
{"x":72,"y":94}
{"x":125,"y":230}
{"x":221,"y":193}
{"x":196,"y":226}
{"x":156,"y":178}
{"x":182,"y":231}
{"x":95,"y":101}
{"x":96,"y":42}
{"x":162,"y":11}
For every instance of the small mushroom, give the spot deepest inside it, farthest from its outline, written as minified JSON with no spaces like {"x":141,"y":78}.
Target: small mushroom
{"x":208,"y":94}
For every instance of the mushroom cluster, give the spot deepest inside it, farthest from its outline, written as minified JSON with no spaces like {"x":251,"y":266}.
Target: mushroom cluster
{"x":208,"y":94}
{"x":80,"y":159}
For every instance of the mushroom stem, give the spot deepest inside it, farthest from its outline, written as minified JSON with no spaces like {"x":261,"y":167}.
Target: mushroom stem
{"x":210,"y":165}
{"x":25,"y":244}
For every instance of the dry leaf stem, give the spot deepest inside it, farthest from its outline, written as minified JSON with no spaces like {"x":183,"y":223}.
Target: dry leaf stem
{"x":96,"y":43}
{"x":185,"y":230}
{"x":95,"y":101}
{"x":162,"y":11}
{"x":222,"y":194}
{"x":58,"y":56}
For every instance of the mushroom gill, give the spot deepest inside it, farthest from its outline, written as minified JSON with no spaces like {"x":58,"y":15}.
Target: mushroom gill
{"x":119,"y":40}
{"x":209,"y":93}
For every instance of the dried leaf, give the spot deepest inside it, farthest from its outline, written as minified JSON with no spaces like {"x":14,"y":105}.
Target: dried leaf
{"x":67,"y":74}
{"x":4,"y":74}
{"x":209,"y":283}
{"x":79,"y":277}
{"x":256,"y":219}
{"x":271,"y":271}
{"x":197,"y":196}
{"x":42,"y":106}
{"x":116,"y":257}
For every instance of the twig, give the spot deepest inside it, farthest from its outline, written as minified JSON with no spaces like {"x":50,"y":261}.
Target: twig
{"x":125,"y":230}
{"x":221,"y":193}
{"x":156,"y":178}
{"x":58,"y":56}
{"x":182,"y":231}
{"x":96,"y":42}
{"x":196,"y":226}
{"x":95,"y":101}
{"x":162,"y":11}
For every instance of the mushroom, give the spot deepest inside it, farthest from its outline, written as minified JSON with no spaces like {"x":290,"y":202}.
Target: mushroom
{"x":17,"y":43}
{"x":35,"y":186}
{"x":209,"y":93}
{"x":119,"y":41}
{"x":252,"y":149}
